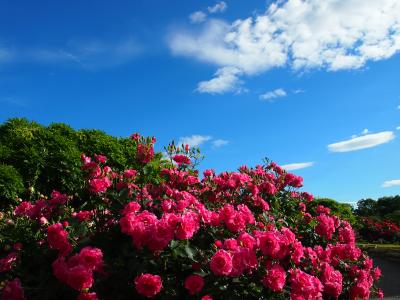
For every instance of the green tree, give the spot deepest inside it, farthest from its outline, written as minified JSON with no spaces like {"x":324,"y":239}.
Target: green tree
{"x":42,"y":158}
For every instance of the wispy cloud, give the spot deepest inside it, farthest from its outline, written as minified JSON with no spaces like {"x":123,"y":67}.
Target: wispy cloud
{"x":298,"y":34}
{"x":93,"y":54}
{"x":362,"y":142}
{"x":217,"y":8}
{"x":6,"y":55}
{"x":15,"y":101}
{"x":194,"y":140}
{"x":219,"y":143}
{"x":398,"y":128}
{"x":298,"y":91}
{"x":391,"y":183}
{"x":297,"y":166}
{"x":273,"y":94}
{"x":365,"y":131}
{"x":197,"y":17}
{"x":200,"y":16}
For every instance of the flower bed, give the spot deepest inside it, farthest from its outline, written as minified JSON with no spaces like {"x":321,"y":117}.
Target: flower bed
{"x":240,"y":235}
{"x":379,"y":230}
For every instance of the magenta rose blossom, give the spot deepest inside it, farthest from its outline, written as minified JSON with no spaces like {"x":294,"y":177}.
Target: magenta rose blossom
{"x":181,"y":159}
{"x":91,"y":258}
{"x":148,"y":285}
{"x":332,"y":281}
{"x":304,"y":286}
{"x":194,"y":284}
{"x":144,"y":153}
{"x":99,"y":185}
{"x":7,"y":262}
{"x":325,"y":227}
{"x":57,"y":238}
{"x":221,"y":263}
{"x":275,"y":278}
{"x":80,"y":278}
{"x":13,"y":290}
{"x":87,"y":296}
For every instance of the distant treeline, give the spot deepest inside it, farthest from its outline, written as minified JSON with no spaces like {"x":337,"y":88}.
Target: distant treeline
{"x":385,"y":208}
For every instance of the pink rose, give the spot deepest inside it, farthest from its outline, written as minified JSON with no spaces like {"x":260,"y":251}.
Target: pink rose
{"x":269,"y":243}
{"x":304,"y":286}
{"x":275,"y":278}
{"x":91,"y":258}
{"x":246,"y":240}
{"x":221,"y":263}
{"x":100,"y":158}
{"x":60,"y":269}
{"x":194,"y":284}
{"x":87,"y":296}
{"x":6,"y":263}
{"x":332,"y":281}
{"x":99,"y":185}
{"x":80,"y":278}
{"x":181,"y":159}
{"x":144,"y":153}
{"x":23,"y":209}
{"x":188,"y":225}
{"x":130,"y":173}
{"x":325,"y":226}
{"x":57,"y":238}
{"x":13,"y":290}
{"x":148,"y":285}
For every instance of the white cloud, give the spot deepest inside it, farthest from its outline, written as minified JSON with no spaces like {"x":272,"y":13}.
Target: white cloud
{"x":273,"y":94}
{"x":219,"y":143}
{"x":197,"y":17}
{"x":362,"y":142}
{"x":296,"y":166}
{"x":398,"y":128}
{"x":391,"y":183}
{"x":298,"y":91}
{"x":218,"y":8}
{"x":365,"y":131}
{"x":194,"y":140}
{"x":226,"y":80}
{"x":301,"y":34}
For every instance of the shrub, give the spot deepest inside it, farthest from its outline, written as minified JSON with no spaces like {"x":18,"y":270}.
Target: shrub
{"x":373,"y":230}
{"x":11,"y":184}
{"x":48,"y":158}
{"x":159,"y":230}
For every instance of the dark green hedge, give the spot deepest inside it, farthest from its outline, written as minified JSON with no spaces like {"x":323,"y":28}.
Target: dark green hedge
{"x":41,"y":158}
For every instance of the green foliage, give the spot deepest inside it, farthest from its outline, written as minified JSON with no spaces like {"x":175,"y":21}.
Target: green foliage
{"x":366,"y":207}
{"x":11,"y":184}
{"x":381,"y":209}
{"x":42,"y":159}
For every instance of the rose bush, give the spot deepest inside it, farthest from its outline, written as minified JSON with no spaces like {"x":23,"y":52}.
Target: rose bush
{"x":248,"y":234}
{"x":372,"y":230}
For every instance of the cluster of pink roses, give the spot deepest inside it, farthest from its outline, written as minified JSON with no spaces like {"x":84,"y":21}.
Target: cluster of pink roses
{"x":77,"y":270}
{"x":194,"y":235}
{"x":383,"y":230}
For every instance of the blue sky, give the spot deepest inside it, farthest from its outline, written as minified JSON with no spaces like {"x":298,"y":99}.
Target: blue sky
{"x":313,"y":85}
